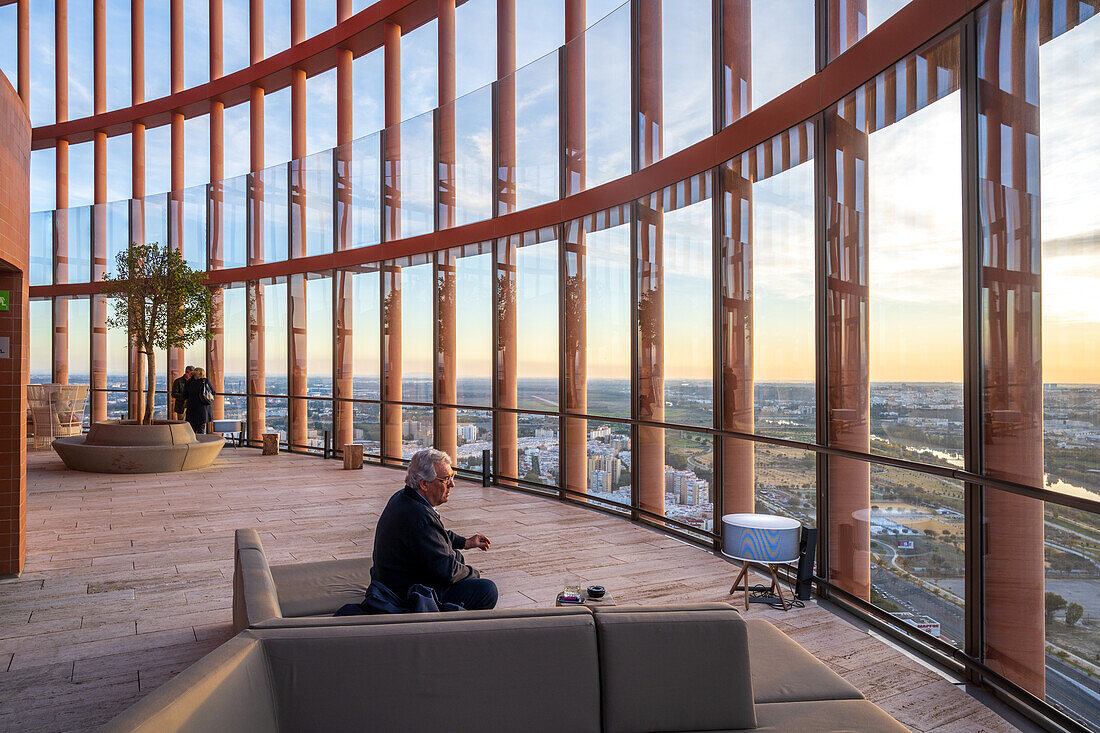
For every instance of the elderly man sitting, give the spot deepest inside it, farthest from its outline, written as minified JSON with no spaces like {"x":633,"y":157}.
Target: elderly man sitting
{"x":411,"y":546}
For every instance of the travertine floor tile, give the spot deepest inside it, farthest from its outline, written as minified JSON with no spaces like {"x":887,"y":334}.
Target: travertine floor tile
{"x":129,"y":579}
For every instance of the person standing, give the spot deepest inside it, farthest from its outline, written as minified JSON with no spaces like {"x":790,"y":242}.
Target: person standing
{"x":199,"y":396}
{"x":179,"y":396}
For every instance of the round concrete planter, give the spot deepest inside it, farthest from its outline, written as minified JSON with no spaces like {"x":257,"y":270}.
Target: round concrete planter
{"x":123,"y":446}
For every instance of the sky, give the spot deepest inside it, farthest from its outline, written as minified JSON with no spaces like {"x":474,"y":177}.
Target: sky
{"x":914,"y":178}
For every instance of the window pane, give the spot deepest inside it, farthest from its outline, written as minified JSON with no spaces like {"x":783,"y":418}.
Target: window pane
{"x":40,"y":348}
{"x":367,"y":78}
{"x":538,"y":449}
{"x":312,"y":203}
{"x":365,"y":333}
{"x":194,"y":226}
{"x":321,"y":109}
{"x":1070,"y":265}
{"x":419,"y":71}
{"x":417,"y":321}
{"x":785,"y":482}
{"x":608,"y":467}
{"x":916,"y":329}
{"x":275,"y":343}
{"x":917,"y":549}
{"x":196,"y":43}
{"x":689,"y":307}
{"x":475,"y":59}
{"x":540,"y":28}
{"x":537,"y":142}
{"x":782,"y":47}
{"x":235,"y":340}
{"x":235,"y":25}
{"x":474,"y":328}
{"x":277,"y":126}
{"x":234,"y":222}
{"x":416,"y":430}
{"x":80,"y":352}
{"x":118,"y":55}
{"x":607,"y":293}
{"x":273,"y":183}
{"x":537,"y":326}
{"x":9,"y":30}
{"x":606,"y":97}
{"x":80,"y":64}
{"x":417,"y":175}
{"x":366,"y":191}
{"x":367,"y":429}
{"x":276,"y":26}
{"x":686,"y":72}
{"x":158,"y":50}
{"x":475,"y":435}
{"x":42,"y":104}
{"x":473,"y":156}
{"x":689,"y":474}
{"x":41,"y":248}
{"x":782,"y":297}
{"x":78,"y":224}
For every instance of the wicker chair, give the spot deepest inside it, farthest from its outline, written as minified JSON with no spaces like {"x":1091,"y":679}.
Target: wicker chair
{"x":56,"y":410}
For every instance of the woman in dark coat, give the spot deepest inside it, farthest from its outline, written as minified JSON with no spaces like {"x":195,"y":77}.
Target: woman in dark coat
{"x":198,"y":412}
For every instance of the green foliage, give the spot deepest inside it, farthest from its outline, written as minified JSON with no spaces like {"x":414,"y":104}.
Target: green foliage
{"x":1074,"y":612}
{"x":160,"y":302}
{"x":1054,"y":602}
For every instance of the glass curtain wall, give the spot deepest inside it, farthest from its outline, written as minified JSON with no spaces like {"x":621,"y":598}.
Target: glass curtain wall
{"x":690,"y":352}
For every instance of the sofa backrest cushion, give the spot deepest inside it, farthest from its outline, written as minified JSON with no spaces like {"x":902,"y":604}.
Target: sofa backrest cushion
{"x":228,"y":689}
{"x":405,"y":618}
{"x":666,"y":670}
{"x":782,"y":671}
{"x":319,"y":588}
{"x":515,"y":674}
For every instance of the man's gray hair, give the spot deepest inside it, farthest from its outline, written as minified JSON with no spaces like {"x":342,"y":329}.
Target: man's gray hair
{"x":422,"y":466}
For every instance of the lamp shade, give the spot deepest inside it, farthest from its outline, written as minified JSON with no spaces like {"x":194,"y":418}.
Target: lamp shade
{"x":760,"y":537}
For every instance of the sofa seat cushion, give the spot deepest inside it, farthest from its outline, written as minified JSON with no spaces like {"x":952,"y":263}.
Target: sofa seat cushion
{"x":834,"y":716}
{"x":674,"y":670}
{"x":782,"y":671}
{"x":519,"y":674}
{"x":319,"y":588}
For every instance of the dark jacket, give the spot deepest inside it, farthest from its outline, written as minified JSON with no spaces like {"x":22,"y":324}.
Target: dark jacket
{"x":411,"y":546}
{"x":179,"y":393}
{"x":197,"y":413}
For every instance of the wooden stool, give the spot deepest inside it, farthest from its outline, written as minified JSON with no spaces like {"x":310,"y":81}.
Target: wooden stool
{"x":776,"y":588}
{"x":271,"y":444}
{"x":353,"y":456}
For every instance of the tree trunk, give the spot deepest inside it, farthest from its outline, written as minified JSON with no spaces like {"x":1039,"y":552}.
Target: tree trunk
{"x":150,"y":386}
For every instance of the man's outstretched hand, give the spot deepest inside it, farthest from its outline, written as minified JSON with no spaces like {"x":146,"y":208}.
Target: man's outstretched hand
{"x":479,"y":541}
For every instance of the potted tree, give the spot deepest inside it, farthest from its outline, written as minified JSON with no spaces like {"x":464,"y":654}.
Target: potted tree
{"x":161,"y":302}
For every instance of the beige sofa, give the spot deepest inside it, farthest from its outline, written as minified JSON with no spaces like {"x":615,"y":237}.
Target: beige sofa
{"x":294,"y":667}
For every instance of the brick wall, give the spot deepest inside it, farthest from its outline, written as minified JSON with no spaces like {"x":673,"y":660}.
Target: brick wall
{"x":15,"y":141}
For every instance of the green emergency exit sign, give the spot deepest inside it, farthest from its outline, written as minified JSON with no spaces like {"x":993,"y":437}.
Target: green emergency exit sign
{"x":5,"y":298}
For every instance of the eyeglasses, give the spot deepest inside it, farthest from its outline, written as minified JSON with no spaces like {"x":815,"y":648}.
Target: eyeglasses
{"x":449,"y":481}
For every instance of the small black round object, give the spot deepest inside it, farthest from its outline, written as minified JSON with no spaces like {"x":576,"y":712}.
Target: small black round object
{"x":596,"y":591}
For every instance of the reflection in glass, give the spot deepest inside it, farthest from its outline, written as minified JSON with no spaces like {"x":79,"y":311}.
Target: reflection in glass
{"x":917,"y":550}
{"x":536,"y":302}
{"x":474,"y":328}
{"x":686,"y":72}
{"x":782,"y":292}
{"x":366,"y":190}
{"x":606,"y":47}
{"x":473,"y":173}
{"x":782,"y":48}
{"x":79,"y":238}
{"x":194,"y":226}
{"x":417,"y":332}
{"x":536,"y":175}
{"x":607,"y":292}
{"x":275,"y":342}
{"x":235,"y":339}
{"x":233,"y":232}
{"x":417,"y":175}
{"x":41,"y":248}
{"x":689,"y":308}
{"x":272,"y":182}
{"x":365,"y":335}
{"x":1070,"y":265}
{"x":916,"y":295}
